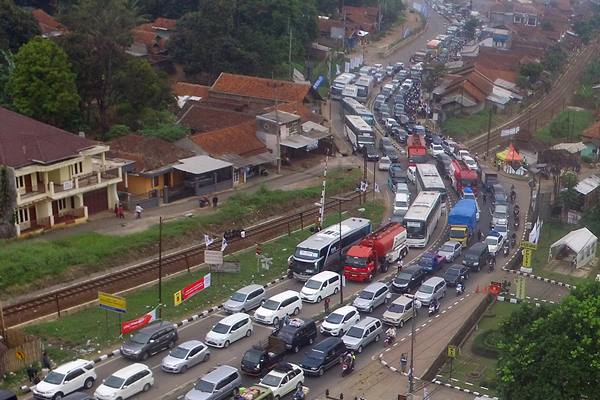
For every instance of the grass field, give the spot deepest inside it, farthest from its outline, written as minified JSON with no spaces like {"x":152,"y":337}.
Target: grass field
{"x":86,"y":332}
{"x":473,"y":368}
{"x":465,"y":127}
{"x":566,"y":125}
{"x":38,"y":263}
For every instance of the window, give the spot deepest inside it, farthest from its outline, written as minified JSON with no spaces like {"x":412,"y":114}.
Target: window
{"x":73,"y":375}
{"x":532,"y":21}
{"x":23,"y":215}
{"x":77,"y":168}
{"x":155,"y":181}
{"x":62,"y":204}
{"x":20,"y":181}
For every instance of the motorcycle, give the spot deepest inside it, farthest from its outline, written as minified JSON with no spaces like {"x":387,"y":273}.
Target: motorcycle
{"x":460,"y":289}
{"x":505,"y":249}
{"x":389,"y":340}
{"x":516,"y":223}
{"x":492,"y":264}
{"x":433,"y":308}
{"x":347,"y":367}
{"x":513,"y":240}
{"x":299,"y":395}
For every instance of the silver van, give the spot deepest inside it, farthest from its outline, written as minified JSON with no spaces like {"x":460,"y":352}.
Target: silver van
{"x":364,"y":332}
{"x":247,"y":298}
{"x":432,"y":288}
{"x":400,"y":311}
{"x":216,"y":385}
{"x":371,"y":297}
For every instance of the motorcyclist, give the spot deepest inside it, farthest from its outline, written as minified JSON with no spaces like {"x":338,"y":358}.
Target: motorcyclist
{"x":349,"y":360}
{"x":390,"y":334}
{"x":460,"y":288}
{"x":433,"y":306}
{"x":299,"y":393}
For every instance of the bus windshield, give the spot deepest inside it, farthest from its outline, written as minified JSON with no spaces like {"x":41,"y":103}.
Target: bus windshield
{"x":415,"y":229}
{"x":306,"y":254}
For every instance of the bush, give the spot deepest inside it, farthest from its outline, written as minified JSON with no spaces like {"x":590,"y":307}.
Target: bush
{"x":485,"y":344}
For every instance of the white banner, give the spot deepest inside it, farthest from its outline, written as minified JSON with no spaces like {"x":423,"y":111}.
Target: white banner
{"x":509,"y":132}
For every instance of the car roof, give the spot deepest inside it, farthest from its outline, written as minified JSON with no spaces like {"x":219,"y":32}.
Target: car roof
{"x":344,"y":310}
{"x":366,"y":321}
{"x":71,"y":365}
{"x":434,"y":280}
{"x":477,"y":247}
{"x":249,"y":289}
{"x":127,"y":371}
{"x":451,"y":242}
{"x":233,"y":318}
{"x":217,"y":374}
{"x":327,"y":343}
{"x":456,"y":266}
{"x":155,"y":326}
{"x":282,"y":369}
{"x":190,"y":344}
{"x":402,"y":300}
{"x":374,"y":287}
{"x":284,"y":295}
{"x":411,"y":269}
{"x":324,"y":275}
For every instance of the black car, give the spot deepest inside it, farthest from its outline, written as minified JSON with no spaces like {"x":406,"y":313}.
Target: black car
{"x":393,"y":155}
{"x":158,"y":336}
{"x":323,"y":356}
{"x":298,"y":333}
{"x":477,"y":256}
{"x":443,"y":162}
{"x":400,"y":135}
{"x":372,"y":153}
{"x":408,"y":279}
{"x":456,"y":274}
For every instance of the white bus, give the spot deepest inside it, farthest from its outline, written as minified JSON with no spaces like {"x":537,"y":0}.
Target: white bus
{"x":365,"y":85}
{"x":352,"y":107}
{"x":358,"y":132}
{"x":321,"y":251}
{"x":421,"y":218}
{"x":351,"y":91}
{"x":338,"y":85}
{"x":429,"y":180}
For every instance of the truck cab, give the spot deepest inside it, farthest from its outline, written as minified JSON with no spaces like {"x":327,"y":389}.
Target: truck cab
{"x":361,"y":264}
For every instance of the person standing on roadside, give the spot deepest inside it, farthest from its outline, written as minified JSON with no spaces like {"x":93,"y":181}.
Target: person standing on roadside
{"x":138,"y":211}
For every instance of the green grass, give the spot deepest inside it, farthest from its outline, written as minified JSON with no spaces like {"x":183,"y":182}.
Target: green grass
{"x":35,"y":263}
{"x":464,"y":127}
{"x":551,"y":232}
{"x":566,"y":125}
{"x":471,"y":367}
{"x":71,"y":332}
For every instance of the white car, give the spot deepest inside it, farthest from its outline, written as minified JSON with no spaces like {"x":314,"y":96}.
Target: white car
{"x":126,"y":382}
{"x":384,"y":163}
{"x":283,"y":379}
{"x":66,"y":379}
{"x":338,"y":322}
{"x":463,"y":153}
{"x":437,"y":149}
{"x":471,"y":163}
{"x":230,"y":329}
{"x":494,"y":243}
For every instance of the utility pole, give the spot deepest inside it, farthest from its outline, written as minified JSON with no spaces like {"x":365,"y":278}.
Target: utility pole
{"x":411,"y":371}
{"x":3,"y":331}
{"x":160,"y":302}
{"x":365,"y":173}
{"x":487,"y":143}
{"x":341,"y":260}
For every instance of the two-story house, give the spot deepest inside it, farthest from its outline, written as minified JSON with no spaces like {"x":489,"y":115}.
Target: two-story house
{"x":61,"y":178}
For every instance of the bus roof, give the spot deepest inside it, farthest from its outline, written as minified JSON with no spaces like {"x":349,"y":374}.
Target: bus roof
{"x":358,"y":122}
{"x":430,"y":176}
{"x":422,"y":206}
{"x":328,"y":235}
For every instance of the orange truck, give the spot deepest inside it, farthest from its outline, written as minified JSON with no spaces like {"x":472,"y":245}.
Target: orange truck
{"x":375,"y":252}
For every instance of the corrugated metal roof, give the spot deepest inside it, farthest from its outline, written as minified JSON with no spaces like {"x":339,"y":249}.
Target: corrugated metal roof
{"x":588,"y":184}
{"x":576,"y":240}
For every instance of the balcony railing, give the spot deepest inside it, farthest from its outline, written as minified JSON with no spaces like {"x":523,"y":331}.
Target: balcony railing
{"x":83,"y":181}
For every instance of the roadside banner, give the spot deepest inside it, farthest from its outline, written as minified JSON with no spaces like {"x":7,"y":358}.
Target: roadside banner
{"x":111,"y":302}
{"x":134,"y":324}
{"x":509,"y":132}
{"x":191,"y":290}
{"x":208,"y":240}
{"x":520,"y":287}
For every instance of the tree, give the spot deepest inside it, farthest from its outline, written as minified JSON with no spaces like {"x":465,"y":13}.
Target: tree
{"x":8,"y":203}
{"x":101,"y":31}
{"x":7,"y":65}
{"x":471,"y":28}
{"x":42,"y":84}
{"x":167,"y":8}
{"x":17,"y":26}
{"x":433,"y":75}
{"x":569,"y":197}
{"x":532,"y":71}
{"x":552,"y":353}
{"x":554,"y":58}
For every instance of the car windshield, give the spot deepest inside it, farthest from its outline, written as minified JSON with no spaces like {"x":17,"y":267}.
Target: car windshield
{"x":457,"y":233}
{"x":403,"y":277}
{"x":366,"y":295}
{"x":271,"y":380}
{"x":203,"y":386}
{"x":415,"y":229}
{"x":471,"y":257}
{"x":491,"y":241}
{"x":252,"y":356}
{"x":140,"y":338}
{"x":452,"y":272}
{"x":54,"y":378}
{"x":401,"y":204}
{"x":356,"y":261}
{"x":239,"y":297}
{"x":396,"y":308}
{"x":179,"y":352}
{"x":287,"y":333}
{"x":313,"y":284}
{"x":315,"y":355}
{"x":426,"y":289}
{"x":447,"y":248}
{"x":221,"y":328}
{"x":335,"y":318}
{"x":270,"y":305}
{"x":114,"y":382}
{"x":499,"y":215}
{"x":355,"y":332}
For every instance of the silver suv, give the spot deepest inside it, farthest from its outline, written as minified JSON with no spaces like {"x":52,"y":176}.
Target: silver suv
{"x":246,"y":299}
{"x":364,"y":332}
{"x":371,"y":297}
{"x":217,"y":384}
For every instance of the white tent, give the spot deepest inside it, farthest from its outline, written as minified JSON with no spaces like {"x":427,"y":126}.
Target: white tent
{"x":580,"y":245}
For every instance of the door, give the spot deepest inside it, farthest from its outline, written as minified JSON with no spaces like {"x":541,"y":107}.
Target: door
{"x":28,"y":186}
{"x":167,"y":179}
{"x":131,"y":386}
{"x":96,"y":201}
{"x":32,"y":215}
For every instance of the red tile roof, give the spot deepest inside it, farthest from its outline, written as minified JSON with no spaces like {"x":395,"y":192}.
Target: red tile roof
{"x":149,"y":38}
{"x":190,"y":89}
{"x":365,"y":17}
{"x":593,"y":132}
{"x":25,"y":141}
{"x":148,"y":153}
{"x":47,"y":23}
{"x":239,"y":139}
{"x":165,"y":23}
{"x":202,"y":118}
{"x":299,"y":109}
{"x":251,"y":86}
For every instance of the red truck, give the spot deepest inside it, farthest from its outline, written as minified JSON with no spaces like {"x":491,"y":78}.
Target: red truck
{"x":416,"y":149}
{"x":463,"y":177}
{"x":375,"y":252}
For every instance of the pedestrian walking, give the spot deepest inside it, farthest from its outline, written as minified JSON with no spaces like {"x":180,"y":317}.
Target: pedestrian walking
{"x":46,"y":363}
{"x":286,"y":320}
{"x":479,"y":235}
{"x":116,"y":210}
{"x":400,"y":266}
{"x":138,"y":211}
{"x":403,"y":362}
{"x":215,"y":201}
{"x":121,"y":212}
{"x":484,"y":197}
{"x":326,"y":305}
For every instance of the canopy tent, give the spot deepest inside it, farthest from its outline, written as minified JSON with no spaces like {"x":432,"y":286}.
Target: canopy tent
{"x":578,"y":245}
{"x":509,"y":155}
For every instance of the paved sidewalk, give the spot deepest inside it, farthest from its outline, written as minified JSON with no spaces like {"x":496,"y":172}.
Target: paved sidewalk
{"x":106,"y":223}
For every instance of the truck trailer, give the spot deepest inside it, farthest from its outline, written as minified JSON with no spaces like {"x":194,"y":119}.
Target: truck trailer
{"x":462,"y":220}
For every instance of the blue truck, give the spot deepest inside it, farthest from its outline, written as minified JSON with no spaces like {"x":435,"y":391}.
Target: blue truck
{"x":430,"y":262}
{"x":462,"y":220}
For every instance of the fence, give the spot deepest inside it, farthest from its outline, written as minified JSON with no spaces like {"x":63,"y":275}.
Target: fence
{"x":22,"y":350}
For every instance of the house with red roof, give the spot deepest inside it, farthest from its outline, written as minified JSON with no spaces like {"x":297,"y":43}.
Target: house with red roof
{"x":60,"y":178}
{"x":49,"y":26}
{"x":150,"y":40}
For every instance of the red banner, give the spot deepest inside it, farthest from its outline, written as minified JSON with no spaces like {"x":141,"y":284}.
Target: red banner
{"x":196,"y":287}
{"x":134,"y":324}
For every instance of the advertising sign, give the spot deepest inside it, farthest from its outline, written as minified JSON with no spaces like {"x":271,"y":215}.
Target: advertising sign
{"x":520,"y":284}
{"x":527,"y":258}
{"x":213,"y":257}
{"x":111,"y":302}
{"x":134,"y":324}
{"x":191,"y":290}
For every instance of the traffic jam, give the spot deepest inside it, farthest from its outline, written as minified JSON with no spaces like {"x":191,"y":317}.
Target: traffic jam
{"x":450,"y":218}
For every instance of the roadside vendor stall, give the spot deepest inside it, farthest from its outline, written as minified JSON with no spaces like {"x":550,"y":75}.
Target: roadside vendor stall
{"x":510,"y":161}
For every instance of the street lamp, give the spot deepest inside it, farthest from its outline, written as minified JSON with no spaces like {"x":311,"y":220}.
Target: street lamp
{"x":340,"y":199}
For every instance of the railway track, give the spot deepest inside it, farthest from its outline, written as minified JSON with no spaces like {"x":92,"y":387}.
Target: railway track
{"x":77,"y":294}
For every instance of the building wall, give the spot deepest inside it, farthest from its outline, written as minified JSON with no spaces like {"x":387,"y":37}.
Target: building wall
{"x":141,"y":186}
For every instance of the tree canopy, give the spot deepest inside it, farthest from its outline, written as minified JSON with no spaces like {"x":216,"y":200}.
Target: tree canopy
{"x":42,"y":84}
{"x":250,"y":37}
{"x":17,"y":26}
{"x":552,"y":353}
